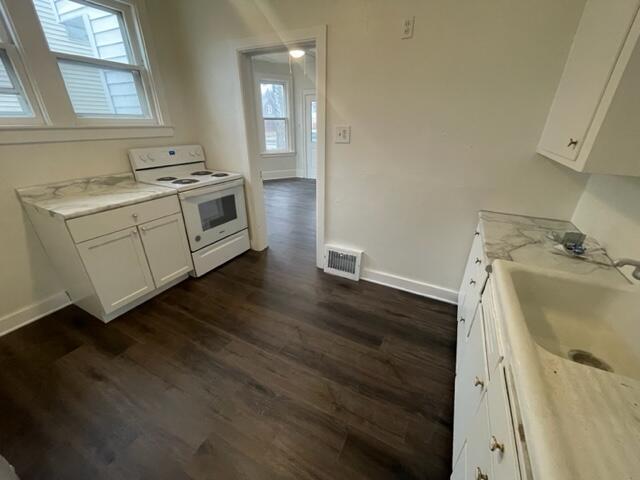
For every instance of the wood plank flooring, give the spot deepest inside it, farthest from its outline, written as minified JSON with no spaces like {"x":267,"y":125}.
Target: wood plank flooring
{"x":264,"y":369}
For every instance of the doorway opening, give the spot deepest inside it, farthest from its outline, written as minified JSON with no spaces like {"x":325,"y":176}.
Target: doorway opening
{"x":283,"y":98}
{"x":286,"y":136}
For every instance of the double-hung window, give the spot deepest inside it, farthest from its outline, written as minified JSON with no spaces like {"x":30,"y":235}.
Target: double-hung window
{"x":98,"y":55}
{"x":274,"y":116}
{"x":15,"y":107}
{"x":75,"y":63}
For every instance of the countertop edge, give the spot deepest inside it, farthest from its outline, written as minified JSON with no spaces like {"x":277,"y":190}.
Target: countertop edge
{"x":105,"y":208}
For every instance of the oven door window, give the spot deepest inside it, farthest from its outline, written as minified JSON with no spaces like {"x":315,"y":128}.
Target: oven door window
{"x":214,"y":213}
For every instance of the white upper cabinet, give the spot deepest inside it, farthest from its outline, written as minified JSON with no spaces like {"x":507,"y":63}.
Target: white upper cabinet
{"x":595,"y":114}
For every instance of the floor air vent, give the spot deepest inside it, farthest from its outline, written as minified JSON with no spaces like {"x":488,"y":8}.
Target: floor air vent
{"x":342,"y":262}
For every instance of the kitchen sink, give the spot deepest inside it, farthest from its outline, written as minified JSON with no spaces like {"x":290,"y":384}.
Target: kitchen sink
{"x":593,"y":324}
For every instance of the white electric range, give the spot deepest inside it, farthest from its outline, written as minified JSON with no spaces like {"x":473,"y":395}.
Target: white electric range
{"x":213,"y":205}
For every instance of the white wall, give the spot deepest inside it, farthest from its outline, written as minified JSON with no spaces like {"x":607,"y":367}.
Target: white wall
{"x":609,"y":210}
{"x":26,"y":277}
{"x":442,"y":125}
{"x":302,"y":76}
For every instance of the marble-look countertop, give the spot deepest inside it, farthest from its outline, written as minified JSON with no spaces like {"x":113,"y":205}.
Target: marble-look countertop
{"x":84,"y":196}
{"x":528,"y":240}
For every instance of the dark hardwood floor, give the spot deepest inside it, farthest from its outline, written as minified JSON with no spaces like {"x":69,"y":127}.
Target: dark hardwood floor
{"x":264,"y":369}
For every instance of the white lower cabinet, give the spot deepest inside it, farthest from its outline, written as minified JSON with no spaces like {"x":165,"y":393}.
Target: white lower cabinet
{"x":111,"y":261}
{"x":117,"y":267}
{"x":484,"y":444}
{"x":160,"y":239}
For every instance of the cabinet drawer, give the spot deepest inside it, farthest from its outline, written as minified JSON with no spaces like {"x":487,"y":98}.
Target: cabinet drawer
{"x":501,"y":442}
{"x":474,"y":263}
{"x":471,"y":383}
{"x":475,"y":275}
{"x":103,"y":223}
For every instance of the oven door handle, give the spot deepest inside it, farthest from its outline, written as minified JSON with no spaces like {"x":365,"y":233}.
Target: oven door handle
{"x":198,"y":192}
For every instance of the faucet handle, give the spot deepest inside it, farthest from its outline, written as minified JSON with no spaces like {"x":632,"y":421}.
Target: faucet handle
{"x":623,"y":262}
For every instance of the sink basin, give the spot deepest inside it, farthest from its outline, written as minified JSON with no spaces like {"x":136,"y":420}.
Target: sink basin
{"x":590,"y":323}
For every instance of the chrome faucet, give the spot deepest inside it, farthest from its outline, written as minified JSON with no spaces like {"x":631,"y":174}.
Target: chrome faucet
{"x":628,"y":261}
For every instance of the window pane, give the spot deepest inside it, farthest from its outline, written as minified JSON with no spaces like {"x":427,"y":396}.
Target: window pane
{"x":102,"y":92}
{"x":314,"y":122}
{"x":5,"y":80}
{"x":12,"y":101}
{"x":11,"y":105}
{"x":274,"y":104}
{"x":78,"y":29}
{"x":275,"y":135}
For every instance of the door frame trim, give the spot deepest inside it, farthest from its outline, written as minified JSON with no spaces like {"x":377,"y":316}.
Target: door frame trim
{"x":252,"y":171}
{"x":303,"y":101}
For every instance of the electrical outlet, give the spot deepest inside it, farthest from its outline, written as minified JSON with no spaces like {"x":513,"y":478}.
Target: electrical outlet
{"x":407,"y":28}
{"x":343,"y":134}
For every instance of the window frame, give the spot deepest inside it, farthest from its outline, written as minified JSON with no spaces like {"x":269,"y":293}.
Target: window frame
{"x":139,"y":66}
{"x":18,"y":74}
{"x":41,"y":79}
{"x":287,"y":81}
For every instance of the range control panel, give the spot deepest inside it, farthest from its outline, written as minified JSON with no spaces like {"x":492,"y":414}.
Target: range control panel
{"x":144,"y":158}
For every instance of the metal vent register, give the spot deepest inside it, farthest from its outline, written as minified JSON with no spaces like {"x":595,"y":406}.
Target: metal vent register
{"x":342,"y":262}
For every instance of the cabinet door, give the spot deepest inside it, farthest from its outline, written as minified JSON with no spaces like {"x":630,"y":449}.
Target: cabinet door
{"x":471,"y":383}
{"x":478,"y":453}
{"x":491,"y":330}
{"x":460,"y":469}
{"x":501,"y":441}
{"x":165,"y":243}
{"x":461,"y":342}
{"x":596,"y":46}
{"x":117,"y":267}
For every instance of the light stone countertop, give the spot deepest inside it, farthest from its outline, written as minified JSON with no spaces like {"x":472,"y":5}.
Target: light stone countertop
{"x":528,"y":240}
{"x":84,"y":196}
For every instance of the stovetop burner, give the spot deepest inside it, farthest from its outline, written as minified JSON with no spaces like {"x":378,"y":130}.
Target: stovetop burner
{"x":165,"y":179}
{"x":185,"y":181}
{"x":220,"y":174}
{"x":201,"y":172}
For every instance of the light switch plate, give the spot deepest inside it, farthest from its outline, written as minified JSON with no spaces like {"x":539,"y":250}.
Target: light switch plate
{"x":407,"y":28}
{"x":343,"y":134}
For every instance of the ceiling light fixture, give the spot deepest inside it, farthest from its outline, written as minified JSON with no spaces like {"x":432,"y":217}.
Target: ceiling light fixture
{"x":296,"y":53}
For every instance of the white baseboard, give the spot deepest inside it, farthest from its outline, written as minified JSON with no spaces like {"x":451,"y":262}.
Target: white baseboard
{"x":278,"y":174}
{"x":409,"y":285}
{"x":33,"y":312}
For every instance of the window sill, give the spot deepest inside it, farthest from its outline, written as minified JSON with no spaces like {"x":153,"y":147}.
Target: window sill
{"x":278,"y":154}
{"x":39,"y":134}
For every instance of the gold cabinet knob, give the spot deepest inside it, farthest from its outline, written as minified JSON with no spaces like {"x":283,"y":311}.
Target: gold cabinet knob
{"x":495,"y":445}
